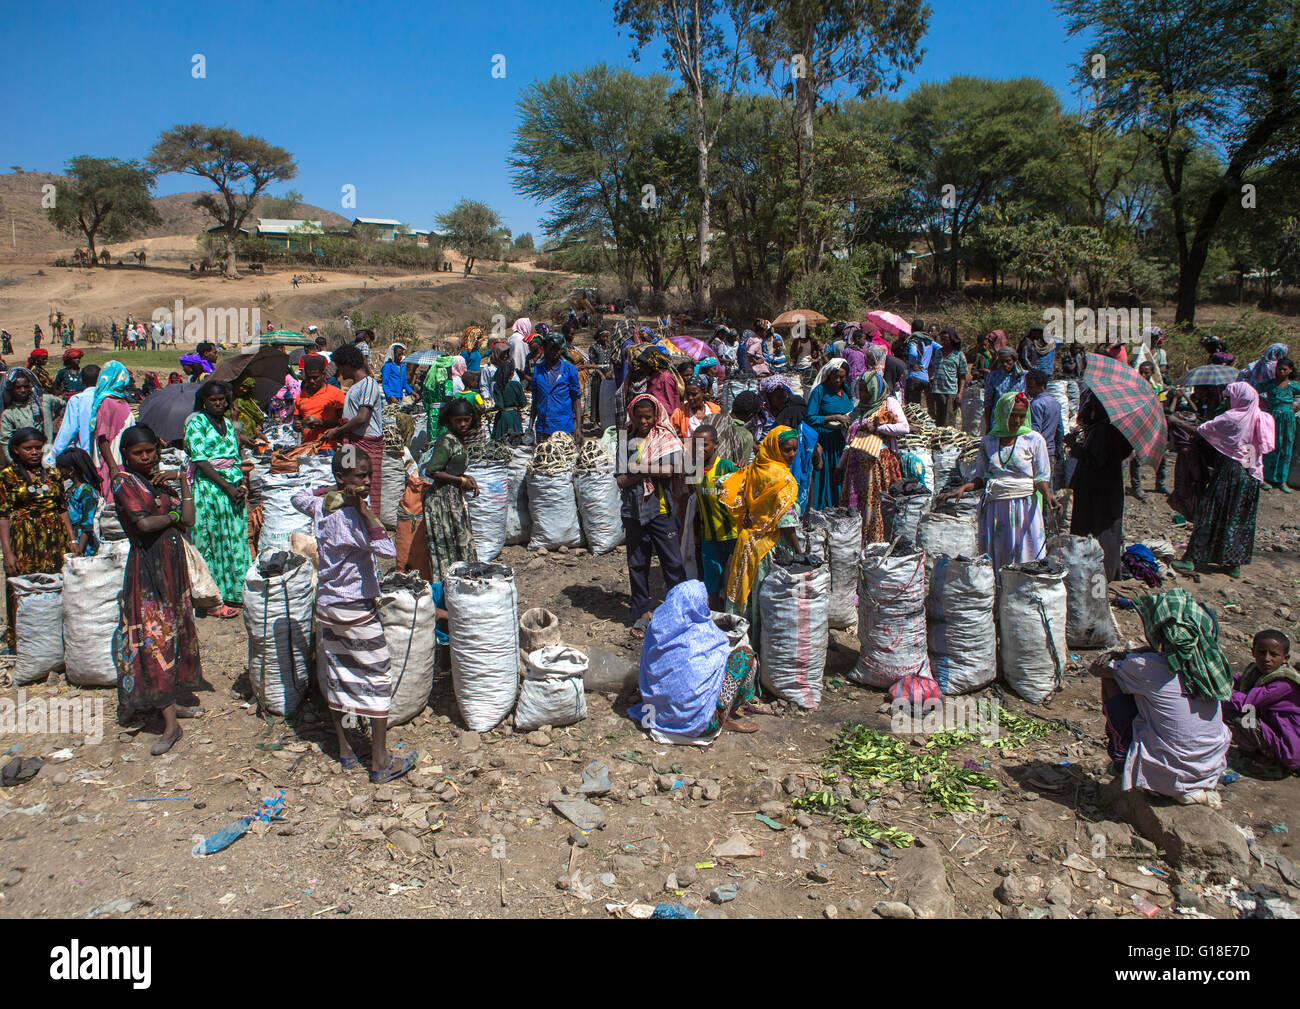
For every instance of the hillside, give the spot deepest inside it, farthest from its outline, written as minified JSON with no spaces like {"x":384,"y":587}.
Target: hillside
{"x":25,"y":229}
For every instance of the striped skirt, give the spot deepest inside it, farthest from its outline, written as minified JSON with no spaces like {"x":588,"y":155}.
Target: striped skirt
{"x":353,"y":657}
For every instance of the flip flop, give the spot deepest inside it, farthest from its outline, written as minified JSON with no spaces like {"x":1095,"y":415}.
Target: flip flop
{"x":224,"y":612}
{"x":349,"y":762}
{"x":735,"y":725}
{"x":397,"y":766}
{"x":163,"y":745}
{"x":637,"y":630}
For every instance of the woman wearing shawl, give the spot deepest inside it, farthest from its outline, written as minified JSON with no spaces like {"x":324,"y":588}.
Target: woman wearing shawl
{"x":109,"y":416}
{"x":36,"y":361}
{"x":661,"y":380}
{"x":1279,"y":394}
{"x":648,"y":473}
{"x":220,"y":492}
{"x":246,"y":409}
{"x":695,"y":410}
{"x":1265,"y":368}
{"x":446,"y":513}
{"x":776,"y":405}
{"x":869,"y":462}
{"x":855,"y":356}
{"x":693,"y":683}
{"x":282,"y":403}
{"x":26,"y":405}
{"x":762,"y":499}
{"x":518,"y":342}
{"x":1015,"y":474}
{"x":34,"y":529}
{"x":68,"y":381}
{"x":155,"y":648}
{"x":508,"y":397}
{"x":755,"y":359}
{"x":471,"y":347}
{"x":829,"y":407}
{"x":1224,"y":533}
{"x":1098,"y":450}
{"x":1164,"y":729}
{"x":393,"y":374}
{"x":1005,"y":376}
{"x":986,"y":355}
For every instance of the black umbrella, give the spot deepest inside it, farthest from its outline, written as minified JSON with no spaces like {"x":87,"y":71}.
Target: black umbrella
{"x":166,"y":410}
{"x":268,"y":365}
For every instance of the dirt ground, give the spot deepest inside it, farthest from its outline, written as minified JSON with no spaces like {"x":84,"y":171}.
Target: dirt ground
{"x":470,"y":832}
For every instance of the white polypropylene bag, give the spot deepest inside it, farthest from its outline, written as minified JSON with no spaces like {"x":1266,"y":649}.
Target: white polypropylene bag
{"x":280,"y":519}
{"x":488,"y":509}
{"x":733,"y":625}
{"x":945,"y":466}
{"x":392,"y":485}
{"x":947,"y":534}
{"x":891,"y":616}
{"x":483,"y":620}
{"x":1031,"y":628}
{"x":843,"y":537}
{"x":38,"y":626}
{"x":554,"y":509}
{"x":792,"y":604}
{"x":972,"y":410}
{"x":552,"y":692}
{"x":1089,"y":622}
{"x":91,"y":589}
{"x":409,"y":617}
{"x":279,"y":616}
{"x":961,"y":633}
{"x":599,"y":507}
{"x":926,"y":458}
{"x":903,"y":515}
{"x":519,"y":522}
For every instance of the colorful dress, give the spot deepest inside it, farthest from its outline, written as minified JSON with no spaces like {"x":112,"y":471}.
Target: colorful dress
{"x":831,"y":438}
{"x":221,"y":527}
{"x":155,"y":648}
{"x":866,"y":478}
{"x":1281,"y":404}
{"x":34,"y":505}
{"x":1011,"y":515}
{"x":83,"y":502}
{"x":509,"y":399}
{"x":1225,"y":516}
{"x":446,"y":515}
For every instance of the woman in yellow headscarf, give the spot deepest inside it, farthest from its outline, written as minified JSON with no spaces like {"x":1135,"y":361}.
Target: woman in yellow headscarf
{"x":762,"y":499}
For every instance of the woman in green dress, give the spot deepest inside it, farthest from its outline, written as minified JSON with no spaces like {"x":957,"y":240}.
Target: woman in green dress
{"x":508,"y":396}
{"x":26,"y":404}
{"x":1279,"y":394}
{"x":446,"y":516}
{"x":221,"y":529}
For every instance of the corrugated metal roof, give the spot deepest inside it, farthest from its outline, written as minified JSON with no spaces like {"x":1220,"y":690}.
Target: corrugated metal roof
{"x":278,"y":226}
{"x":377,"y":220}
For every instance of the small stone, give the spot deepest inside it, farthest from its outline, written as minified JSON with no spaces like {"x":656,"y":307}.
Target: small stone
{"x":723,"y":894}
{"x":697,"y":793}
{"x":791,"y":785}
{"x":1143,"y":845}
{"x":687,"y":875}
{"x":13,"y":877}
{"x":538,"y":738}
{"x":666,"y":782}
{"x":775,"y":810}
{"x":201,"y":804}
{"x":60,"y":778}
{"x":468,"y":741}
{"x":857,"y":805}
{"x":1060,"y":894}
{"x":804,"y":820}
{"x":404,"y":842}
{"x":848,"y":846}
{"x":627,"y":864}
{"x":711,"y":791}
{"x":1015,"y":890}
{"x":830,"y":911}
{"x":894,"y":909}
{"x":578,"y":839}
{"x":819,"y":874}
{"x":358,"y":803}
{"x":1035,"y":826}
{"x":1186,"y":895}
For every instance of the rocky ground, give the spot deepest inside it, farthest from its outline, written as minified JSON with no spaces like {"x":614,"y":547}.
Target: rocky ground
{"x":472,"y":831}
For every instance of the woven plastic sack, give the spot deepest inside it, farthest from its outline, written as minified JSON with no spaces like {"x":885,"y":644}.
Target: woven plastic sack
{"x":599,"y":507}
{"x":1089,"y":622}
{"x":961,"y":635}
{"x":902,"y":513}
{"x":891,"y":616}
{"x":280,"y":617}
{"x":793,"y":602}
{"x":519,"y":522}
{"x":947,"y":534}
{"x":483,"y":623}
{"x":1031,"y":628}
{"x":552,"y":692}
{"x":38,"y":627}
{"x":392,"y":484}
{"x":489,"y":509}
{"x":91,"y":590}
{"x":280,"y":519}
{"x":843,"y":538}
{"x":407,"y":611}
{"x":554,"y":510}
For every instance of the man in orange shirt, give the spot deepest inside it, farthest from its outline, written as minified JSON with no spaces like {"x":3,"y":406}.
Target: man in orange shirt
{"x":320,"y":406}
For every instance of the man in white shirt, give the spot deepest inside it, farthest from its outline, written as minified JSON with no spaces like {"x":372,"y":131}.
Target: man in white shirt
{"x":75,"y":430}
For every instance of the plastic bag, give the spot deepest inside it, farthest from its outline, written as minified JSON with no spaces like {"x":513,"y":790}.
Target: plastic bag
{"x":1089,"y":622}
{"x":91,"y":590}
{"x":1031,"y":628}
{"x":947,"y":534}
{"x":734,"y":626}
{"x":552,"y":691}
{"x":279,"y":615}
{"x":961,"y":634}
{"x":392,"y":484}
{"x":519,"y":521}
{"x":842,"y":530}
{"x":902,"y":508}
{"x":483,"y":623}
{"x":599,"y":506}
{"x":554,"y":511}
{"x":945,"y":466}
{"x":407,"y":611}
{"x":972,"y":409}
{"x":891,"y":616}
{"x":203,"y":587}
{"x":489,"y":509}
{"x":793,"y":602}
{"x":280,"y":519}
{"x":38,"y":627}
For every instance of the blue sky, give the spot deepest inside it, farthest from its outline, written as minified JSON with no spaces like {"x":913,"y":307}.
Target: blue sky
{"x":395,"y":99}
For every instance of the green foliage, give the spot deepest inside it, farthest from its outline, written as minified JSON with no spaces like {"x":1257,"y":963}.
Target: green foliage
{"x":524,"y":243}
{"x":1014,"y":318}
{"x":283,"y":207}
{"x":840,"y":289}
{"x":105,"y":199}
{"x":474,"y":229}
{"x":389,"y":327}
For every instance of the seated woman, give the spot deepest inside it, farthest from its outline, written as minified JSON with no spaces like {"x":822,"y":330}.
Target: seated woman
{"x":1015,"y":474}
{"x":693,"y":684}
{"x":1164,"y":730}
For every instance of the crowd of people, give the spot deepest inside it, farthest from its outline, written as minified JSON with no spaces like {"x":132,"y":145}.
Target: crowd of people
{"x":718,"y":483}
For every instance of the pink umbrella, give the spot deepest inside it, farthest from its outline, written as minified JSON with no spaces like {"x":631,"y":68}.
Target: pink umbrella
{"x":889,"y":322}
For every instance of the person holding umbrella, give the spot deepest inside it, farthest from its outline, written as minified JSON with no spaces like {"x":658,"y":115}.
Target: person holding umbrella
{"x":1099,"y":451}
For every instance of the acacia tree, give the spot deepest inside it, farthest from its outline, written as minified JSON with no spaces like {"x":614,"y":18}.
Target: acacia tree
{"x":240,"y":166}
{"x":867,"y":44}
{"x":104,"y":197}
{"x":710,"y":64}
{"x":1192,"y":73}
{"x":474,"y":228}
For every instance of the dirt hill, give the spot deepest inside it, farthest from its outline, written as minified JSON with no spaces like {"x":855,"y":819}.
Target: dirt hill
{"x":25,"y":229}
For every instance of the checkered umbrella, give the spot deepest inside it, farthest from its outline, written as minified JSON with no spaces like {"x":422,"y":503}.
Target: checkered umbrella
{"x":1209,"y":374}
{"x":1130,"y":405}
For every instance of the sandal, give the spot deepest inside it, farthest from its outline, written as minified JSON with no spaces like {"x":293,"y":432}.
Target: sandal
{"x":224,"y":612}
{"x":397,"y":766}
{"x":349,"y":762}
{"x":1184,"y":566}
{"x":736,"y":725}
{"x":638,"y":629}
{"x":163,"y":745}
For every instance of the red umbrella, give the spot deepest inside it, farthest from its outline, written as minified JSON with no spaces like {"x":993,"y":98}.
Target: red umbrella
{"x":1130,"y":404}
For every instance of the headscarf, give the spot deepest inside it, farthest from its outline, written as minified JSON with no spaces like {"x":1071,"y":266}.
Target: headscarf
{"x":764,"y":418}
{"x":1223,"y":357}
{"x":78,"y":460}
{"x":472,"y":338}
{"x":1001,"y":427}
{"x":652,"y":357}
{"x":522,"y":326}
{"x":38,"y":356}
{"x":873,"y":397}
{"x":73,"y":354}
{"x":392,"y":347}
{"x":175,"y":378}
{"x":7,"y":393}
{"x":707,"y":362}
{"x":113,"y":380}
{"x":877,"y":355}
{"x":1266,"y":367}
{"x":1185,"y":633}
{"x":764,"y":491}
{"x":458,"y":366}
{"x":193,"y":359}
{"x":999,"y":340}
{"x":834,"y":364}
{"x":1243,"y":432}
{"x":697,"y":382}
{"x":247,"y":410}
